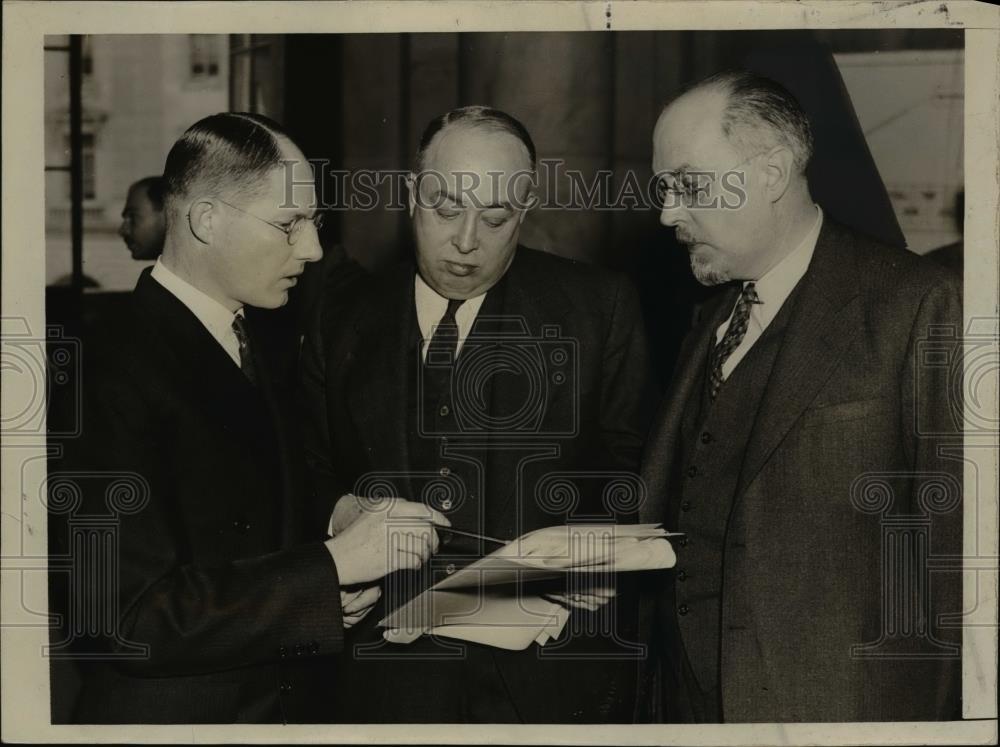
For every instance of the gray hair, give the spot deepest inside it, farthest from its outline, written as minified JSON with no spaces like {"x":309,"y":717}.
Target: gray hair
{"x":761,"y":113}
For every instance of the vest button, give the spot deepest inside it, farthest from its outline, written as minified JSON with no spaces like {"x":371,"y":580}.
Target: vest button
{"x":692,"y":471}
{"x":683,"y":609}
{"x":706,"y":437}
{"x":682,"y":575}
{"x":444,"y":472}
{"x":450,"y":568}
{"x":443,"y":412}
{"x":686,"y":506}
{"x":446,"y":504}
{"x":683,"y":542}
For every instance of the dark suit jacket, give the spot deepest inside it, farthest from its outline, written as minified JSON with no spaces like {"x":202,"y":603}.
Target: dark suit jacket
{"x":851,"y":436}
{"x":357,"y":377}
{"x":220,"y":588}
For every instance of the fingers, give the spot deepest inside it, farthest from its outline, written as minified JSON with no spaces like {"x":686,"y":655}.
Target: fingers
{"x":359,"y":601}
{"x":351,"y":620}
{"x":589,"y":602}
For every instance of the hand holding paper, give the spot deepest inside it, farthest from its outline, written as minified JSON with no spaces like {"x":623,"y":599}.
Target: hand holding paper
{"x":480,"y":602}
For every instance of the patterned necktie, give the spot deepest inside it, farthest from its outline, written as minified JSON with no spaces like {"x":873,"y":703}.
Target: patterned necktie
{"x":734,"y":336}
{"x":246,"y":353}
{"x":443,"y":346}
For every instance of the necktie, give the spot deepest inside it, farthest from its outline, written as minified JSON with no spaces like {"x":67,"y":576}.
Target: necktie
{"x":734,"y":336}
{"x":246,"y":354}
{"x":443,"y":346}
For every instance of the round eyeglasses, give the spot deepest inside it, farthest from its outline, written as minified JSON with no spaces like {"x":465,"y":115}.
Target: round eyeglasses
{"x":292,"y":229}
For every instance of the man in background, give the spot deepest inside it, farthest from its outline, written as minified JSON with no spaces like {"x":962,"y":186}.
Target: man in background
{"x":143,"y":224}
{"x":802,"y":423}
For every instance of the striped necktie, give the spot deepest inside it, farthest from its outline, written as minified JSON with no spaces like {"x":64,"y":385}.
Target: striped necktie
{"x":734,"y":336}
{"x":246,"y":353}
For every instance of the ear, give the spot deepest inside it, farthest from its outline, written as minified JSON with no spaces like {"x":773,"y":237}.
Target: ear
{"x":202,"y":221}
{"x":530,"y":201}
{"x":411,"y":186}
{"x":779,"y":165}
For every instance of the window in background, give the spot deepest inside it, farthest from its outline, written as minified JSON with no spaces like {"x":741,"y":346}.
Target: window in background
{"x":204,"y":55}
{"x":138,"y":97}
{"x":256,"y":83}
{"x":912,"y":101}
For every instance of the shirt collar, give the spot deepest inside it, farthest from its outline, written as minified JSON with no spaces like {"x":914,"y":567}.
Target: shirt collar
{"x":431,"y":306}
{"x":777,"y":284}
{"x":215,"y":317}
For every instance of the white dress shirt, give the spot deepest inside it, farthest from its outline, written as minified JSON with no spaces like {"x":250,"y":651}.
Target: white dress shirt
{"x":772,"y":290}
{"x":216,"y":318}
{"x":431,"y":307}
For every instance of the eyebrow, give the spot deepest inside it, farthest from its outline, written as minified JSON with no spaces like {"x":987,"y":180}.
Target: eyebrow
{"x":459,"y":203}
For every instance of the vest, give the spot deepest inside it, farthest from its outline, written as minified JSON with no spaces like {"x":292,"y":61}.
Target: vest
{"x":431,"y":680}
{"x":712,"y":444}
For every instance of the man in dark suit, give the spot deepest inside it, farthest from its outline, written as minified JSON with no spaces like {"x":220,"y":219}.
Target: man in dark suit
{"x":224,"y":597}
{"x":505,"y":388}
{"x":801,"y":446}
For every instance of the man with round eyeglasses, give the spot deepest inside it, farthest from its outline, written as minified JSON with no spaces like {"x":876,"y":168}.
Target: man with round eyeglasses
{"x":800,"y":399}
{"x":228,"y":599}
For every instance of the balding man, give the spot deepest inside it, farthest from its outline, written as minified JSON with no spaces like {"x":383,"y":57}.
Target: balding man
{"x":227,"y":597}
{"x":802,"y":445}
{"x":502,"y":386}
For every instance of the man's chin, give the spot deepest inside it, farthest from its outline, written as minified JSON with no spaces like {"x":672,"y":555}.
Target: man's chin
{"x":706,"y":273}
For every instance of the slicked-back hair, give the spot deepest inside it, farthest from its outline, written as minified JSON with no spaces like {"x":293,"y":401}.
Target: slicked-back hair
{"x":154,"y":187}
{"x":223,"y":154}
{"x":761,"y":113}
{"x":486,"y":117}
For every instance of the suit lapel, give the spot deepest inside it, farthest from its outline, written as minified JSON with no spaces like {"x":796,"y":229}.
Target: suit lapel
{"x":529,"y":300}
{"x":659,"y":454}
{"x":824,"y":321}
{"x":382,"y":371}
{"x":207,"y":369}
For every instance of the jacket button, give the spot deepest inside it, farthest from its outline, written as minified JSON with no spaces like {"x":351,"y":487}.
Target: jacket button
{"x":443,"y":412}
{"x":313,"y":647}
{"x":706,"y":437}
{"x":686,"y":506}
{"x":692,"y":471}
{"x":285,"y":687}
{"x":444,"y":472}
{"x":282,"y":652}
{"x":299,"y":649}
{"x":683,"y":609}
{"x":446,"y":504}
{"x":450,"y":568}
{"x":683,"y":542}
{"x":682,"y":575}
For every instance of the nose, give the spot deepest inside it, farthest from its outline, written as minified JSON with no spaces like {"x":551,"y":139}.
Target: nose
{"x":307,"y":248}
{"x":467,"y":238}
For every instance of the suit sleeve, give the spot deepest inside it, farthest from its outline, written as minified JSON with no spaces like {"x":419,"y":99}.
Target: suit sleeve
{"x":627,"y":394}
{"x":189,"y":618}
{"x":332,"y":308}
{"x":932,"y":389}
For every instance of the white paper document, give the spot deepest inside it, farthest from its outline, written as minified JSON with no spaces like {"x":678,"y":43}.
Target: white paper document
{"x":485,"y":602}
